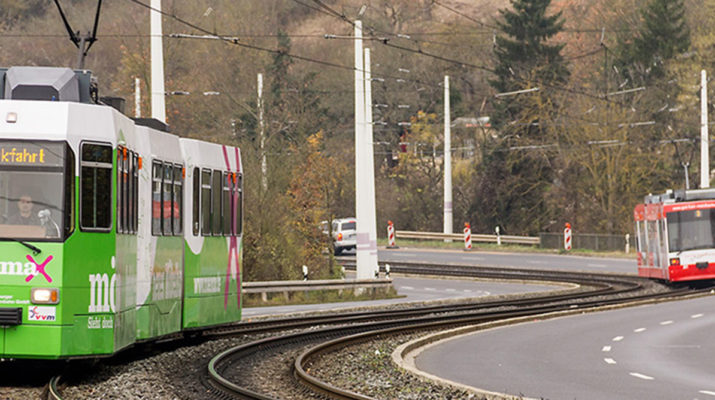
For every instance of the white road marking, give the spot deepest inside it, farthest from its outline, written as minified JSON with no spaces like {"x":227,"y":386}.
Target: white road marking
{"x":597,"y":265}
{"x":407,"y":287}
{"x":696,"y":316}
{"x":606,"y":348}
{"x":641,"y":376}
{"x":639,"y":330}
{"x":536,"y":262}
{"x":618,"y":338}
{"x":467,"y":291}
{"x":450,"y":290}
{"x":708,"y":392}
{"x":430,"y":289}
{"x":666,"y":322}
{"x":609,"y":361}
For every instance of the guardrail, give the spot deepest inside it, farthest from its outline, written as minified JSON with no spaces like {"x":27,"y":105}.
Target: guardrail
{"x":475,"y":238}
{"x":325,"y":284}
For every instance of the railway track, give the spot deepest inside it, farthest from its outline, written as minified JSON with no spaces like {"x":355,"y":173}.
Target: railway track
{"x":344,"y":330}
{"x":53,"y":392}
{"x":602,"y":284}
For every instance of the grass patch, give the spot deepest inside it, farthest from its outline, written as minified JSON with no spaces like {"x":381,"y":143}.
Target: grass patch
{"x":317,"y":297}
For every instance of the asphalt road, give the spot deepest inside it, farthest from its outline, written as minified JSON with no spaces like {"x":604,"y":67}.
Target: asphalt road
{"x":661,"y":351}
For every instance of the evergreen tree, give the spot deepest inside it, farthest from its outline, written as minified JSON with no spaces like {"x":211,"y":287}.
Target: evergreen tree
{"x":663,"y":35}
{"x":523,"y":57}
{"x":515,"y":176}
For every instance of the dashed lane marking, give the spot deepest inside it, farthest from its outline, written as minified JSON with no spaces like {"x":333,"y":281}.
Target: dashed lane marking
{"x":606,"y":348}
{"x":597,"y":265}
{"x":430,"y":289}
{"x":696,"y":316}
{"x":641,"y":376}
{"x":450,"y":290}
{"x":609,"y":361}
{"x":617,"y":338}
{"x":407,"y":287}
{"x":639,"y":330}
{"x":666,"y":322}
{"x":707,"y":392}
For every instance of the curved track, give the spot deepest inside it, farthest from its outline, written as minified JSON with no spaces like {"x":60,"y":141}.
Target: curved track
{"x":602,"y":289}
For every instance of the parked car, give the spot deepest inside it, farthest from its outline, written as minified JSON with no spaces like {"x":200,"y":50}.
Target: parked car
{"x":343,"y":230}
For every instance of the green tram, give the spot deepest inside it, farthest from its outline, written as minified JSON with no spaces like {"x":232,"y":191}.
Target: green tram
{"x":112,"y":231}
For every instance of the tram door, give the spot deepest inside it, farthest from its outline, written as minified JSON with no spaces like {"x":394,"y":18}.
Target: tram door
{"x":656,"y":256}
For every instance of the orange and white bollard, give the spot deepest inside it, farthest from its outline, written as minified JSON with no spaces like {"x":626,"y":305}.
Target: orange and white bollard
{"x":567,"y":237}
{"x":391,"y":236}
{"x":467,"y":237}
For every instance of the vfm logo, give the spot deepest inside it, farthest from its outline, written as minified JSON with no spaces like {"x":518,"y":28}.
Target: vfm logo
{"x":102,"y":290}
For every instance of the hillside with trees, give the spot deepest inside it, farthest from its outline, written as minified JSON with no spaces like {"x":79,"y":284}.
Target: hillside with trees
{"x":615,"y":116}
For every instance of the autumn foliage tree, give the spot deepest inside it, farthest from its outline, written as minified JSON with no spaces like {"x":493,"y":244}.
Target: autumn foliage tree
{"x":315,"y":186}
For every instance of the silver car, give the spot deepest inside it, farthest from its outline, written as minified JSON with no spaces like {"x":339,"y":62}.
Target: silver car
{"x":343,"y":234}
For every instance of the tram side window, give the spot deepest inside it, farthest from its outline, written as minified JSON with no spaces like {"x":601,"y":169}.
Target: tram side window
{"x":640,"y":232}
{"x":157,"y":173}
{"x":196,"y":206}
{"x":206,"y":202}
{"x":239,"y":206}
{"x":69,"y":193}
{"x":125,"y":191}
{"x":167,"y":205}
{"x":134,"y":193}
{"x":120,"y":184}
{"x":177,"y":209}
{"x":216,"y":187}
{"x":96,"y":187}
{"x":226,"y":208}
{"x":653,"y":240}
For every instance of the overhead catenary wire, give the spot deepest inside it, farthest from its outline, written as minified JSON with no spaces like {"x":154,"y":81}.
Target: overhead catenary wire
{"x":233,"y":40}
{"x":236,"y":41}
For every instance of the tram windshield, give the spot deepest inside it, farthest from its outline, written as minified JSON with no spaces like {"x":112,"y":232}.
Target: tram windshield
{"x":35,"y":190}
{"x":691,"y":230}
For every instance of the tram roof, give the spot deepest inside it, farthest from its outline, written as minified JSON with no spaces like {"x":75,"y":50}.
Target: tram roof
{"x":677,"y":196}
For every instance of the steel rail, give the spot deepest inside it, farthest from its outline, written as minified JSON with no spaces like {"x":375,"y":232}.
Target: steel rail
{"x":333,"y":392}
{"x":604,"y":285}
{"x":602,"y":282}
{"x":53,"y":392}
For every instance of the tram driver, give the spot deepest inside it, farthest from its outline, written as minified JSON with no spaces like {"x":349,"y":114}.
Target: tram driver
{"x":25,"y":214}
{"x":39,"y":224}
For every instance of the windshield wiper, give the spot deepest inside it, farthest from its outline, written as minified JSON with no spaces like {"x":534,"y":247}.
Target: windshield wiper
{"x":35,"y":250}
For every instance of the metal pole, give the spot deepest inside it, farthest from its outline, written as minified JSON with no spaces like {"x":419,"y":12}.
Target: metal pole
{"x":262,"y":128}
{"x":447,"y":161}
{"x":80,"y":54}
{"x":704,"y":140}
{"x":362,"y":256}
{"x":158,"y":104}
{"x":371,"y":215}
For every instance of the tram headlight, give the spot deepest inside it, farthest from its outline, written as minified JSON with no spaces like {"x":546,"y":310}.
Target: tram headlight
{"x":675,"y":261}
{"x":45,"y":295}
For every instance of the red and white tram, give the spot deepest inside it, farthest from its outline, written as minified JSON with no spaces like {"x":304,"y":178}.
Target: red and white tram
{"x":676,"y":235}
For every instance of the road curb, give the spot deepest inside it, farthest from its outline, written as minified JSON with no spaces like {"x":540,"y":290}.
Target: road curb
{"x":404,"y":355}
